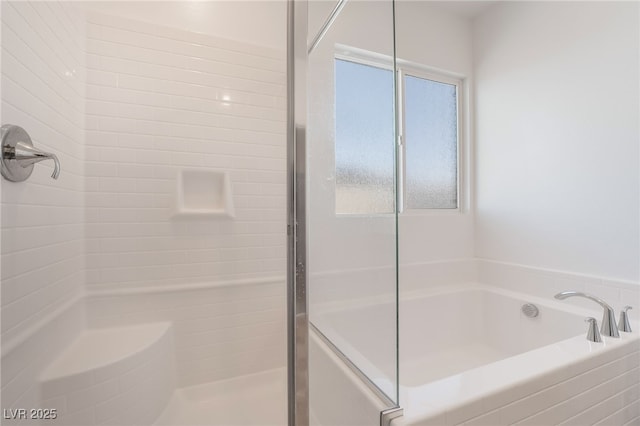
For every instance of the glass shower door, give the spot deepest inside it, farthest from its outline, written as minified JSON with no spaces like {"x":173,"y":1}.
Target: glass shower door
{"x":351,"y":215}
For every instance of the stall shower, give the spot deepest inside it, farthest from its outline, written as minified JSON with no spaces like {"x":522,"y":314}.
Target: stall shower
{"x":156,"y":260}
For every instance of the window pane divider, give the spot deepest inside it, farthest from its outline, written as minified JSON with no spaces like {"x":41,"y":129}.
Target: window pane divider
{"x":401,"y":142}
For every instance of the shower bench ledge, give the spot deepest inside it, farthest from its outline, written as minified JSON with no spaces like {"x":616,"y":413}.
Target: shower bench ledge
{"x":103,"y":367}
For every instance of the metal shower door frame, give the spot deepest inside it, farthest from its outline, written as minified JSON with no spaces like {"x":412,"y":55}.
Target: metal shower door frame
{"x":297,"y":314}
{"x":298,"y":50}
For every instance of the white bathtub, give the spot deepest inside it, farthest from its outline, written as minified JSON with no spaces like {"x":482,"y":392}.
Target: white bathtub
{"x":469,"y":354}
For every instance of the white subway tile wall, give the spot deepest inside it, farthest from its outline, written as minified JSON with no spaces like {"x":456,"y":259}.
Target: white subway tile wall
{"x":43,"y":91}
{"x":605,"y":393}
{"x":126,"y":106}
{"x":160,"y":100}
{"x":601,"y":388}
{"x":42,"y":226}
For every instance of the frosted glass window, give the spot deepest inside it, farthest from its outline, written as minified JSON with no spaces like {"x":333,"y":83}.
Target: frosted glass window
{"x":364,"y":139}
{"x":431,"y":144}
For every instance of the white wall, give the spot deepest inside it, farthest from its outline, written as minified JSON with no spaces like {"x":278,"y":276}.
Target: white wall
{"x":345,"y":242}
{"x":353,"y":257}
{"x":339,"y":243}
{"x":435,"y":38}
{"x":318,"y":12}
{"x":43,"y":87}
{"x":557,"y":136}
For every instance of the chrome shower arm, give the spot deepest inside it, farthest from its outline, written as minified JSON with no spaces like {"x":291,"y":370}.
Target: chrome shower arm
{"x":19,"y":155}
{"x":27,"y":155}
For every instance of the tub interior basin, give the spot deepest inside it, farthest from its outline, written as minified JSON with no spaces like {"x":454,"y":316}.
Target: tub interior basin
{"x":445,"y":333}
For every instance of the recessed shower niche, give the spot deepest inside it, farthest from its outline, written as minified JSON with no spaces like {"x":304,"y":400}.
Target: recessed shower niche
{"x":203,"y":194}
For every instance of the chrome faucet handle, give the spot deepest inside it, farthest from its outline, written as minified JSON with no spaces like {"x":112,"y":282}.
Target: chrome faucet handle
{"x":623,"y":323}
{"x":609,"y":327}
{"x":593,"y":335}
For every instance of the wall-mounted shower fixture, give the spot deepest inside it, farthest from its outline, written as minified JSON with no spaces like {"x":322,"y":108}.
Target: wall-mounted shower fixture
{"x":19,"y":155}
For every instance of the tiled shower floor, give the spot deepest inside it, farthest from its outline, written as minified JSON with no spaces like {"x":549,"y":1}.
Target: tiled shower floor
{"x":252,"y":400}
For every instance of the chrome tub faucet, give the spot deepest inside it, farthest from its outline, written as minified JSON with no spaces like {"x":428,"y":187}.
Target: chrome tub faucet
{"x":609,"y":326}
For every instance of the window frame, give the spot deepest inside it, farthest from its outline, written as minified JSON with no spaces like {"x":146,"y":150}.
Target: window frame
{"x":403,"y":68}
